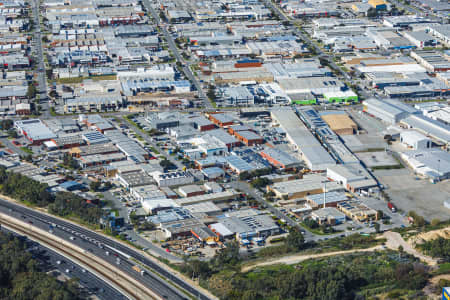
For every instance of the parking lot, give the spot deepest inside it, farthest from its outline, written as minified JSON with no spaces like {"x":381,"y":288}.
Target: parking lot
{"x":408,"y":192}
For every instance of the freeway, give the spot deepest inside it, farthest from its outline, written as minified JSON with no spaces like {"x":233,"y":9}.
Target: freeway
{"x":108,"y":250}
{"x":42,"y":81}
{"x":173,"y":47}
{"x":52,"y":261}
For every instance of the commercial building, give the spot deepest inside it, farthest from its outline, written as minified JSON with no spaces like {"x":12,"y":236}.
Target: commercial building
{"x":328,"y":215}
{"x":312,"y":152}
{"x":34,"y":130}
{"x":341,"y":124}
{"x":172,"y":178}
{"x":357,"y":211}
{"x":300,"y":188}
{"x":415,"y":140}
{"x":279,"y":159}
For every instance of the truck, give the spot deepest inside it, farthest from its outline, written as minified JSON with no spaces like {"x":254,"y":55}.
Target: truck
{"x":391,"y":207}
{"x":139,"y":270}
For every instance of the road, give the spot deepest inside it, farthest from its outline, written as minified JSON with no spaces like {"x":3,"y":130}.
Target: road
{"x":41,"y":76}
{"x":173,"y":47}
{"x":148,"y":139}
{"x":7,"y":143}
{"x":52,"y":261}
{"x":97,"y":244}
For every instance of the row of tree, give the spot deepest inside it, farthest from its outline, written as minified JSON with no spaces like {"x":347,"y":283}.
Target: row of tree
{"x":30,"y":191}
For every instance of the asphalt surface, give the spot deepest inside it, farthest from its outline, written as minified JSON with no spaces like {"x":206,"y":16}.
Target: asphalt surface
{"x":89,"y":282}
{"x":99,"y":245}
{"x":173,"y":47}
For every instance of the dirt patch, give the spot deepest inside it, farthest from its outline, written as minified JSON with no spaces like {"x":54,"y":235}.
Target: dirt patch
{"x":430,"y":235}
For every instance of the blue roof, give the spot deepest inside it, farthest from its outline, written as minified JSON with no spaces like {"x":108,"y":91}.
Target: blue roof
{"x":69,"y":184}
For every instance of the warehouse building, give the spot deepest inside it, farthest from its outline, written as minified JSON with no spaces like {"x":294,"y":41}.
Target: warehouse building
{"x":223,"y":196}
{"x":311,"y":151}
{"x":146,"y":192}
{"x":34,"y":130}
{"x":389,"y":111}
{"x":353,"y":177}
{"x":300,"y":188}
{"x":315,"y":85}
{"x":415,"y":140}
{"x":134,"y":179}
{"x":433,"y":128}
{"x":98,"y":160}
{"x":279,"y":159}
{"x":249,"y":138}
{"x":152,"y":206}
{"x":328,"y":199}
{"x":341,"y":96}
{"x":341,"y":124}
{"x":431,"y":163}
{"x":222,"y":119}
{"x":172,"y":178}
{"x":190,"y":190}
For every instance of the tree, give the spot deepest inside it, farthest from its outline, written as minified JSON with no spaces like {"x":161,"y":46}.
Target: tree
{"x":295,"y":240}
{"x":227,"y":256}
{"x":69,"y":161}
{"x":95,"y":186}
{"x":435,"y":222}
{"x":31,"y":92}
{"x":7,"y":124}
{"x":12,"y":133}
{"x":166,"y":164}
{"x":108,"y":185}
{"x":211,"y":92}
{"x":400,"y":251}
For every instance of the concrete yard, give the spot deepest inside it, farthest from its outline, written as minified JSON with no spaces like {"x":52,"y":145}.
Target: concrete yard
{"x":420,"y":195}
{"x":377,"y":159}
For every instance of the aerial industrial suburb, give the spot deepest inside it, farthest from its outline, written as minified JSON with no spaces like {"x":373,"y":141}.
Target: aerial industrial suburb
{"x":225,"y":149}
